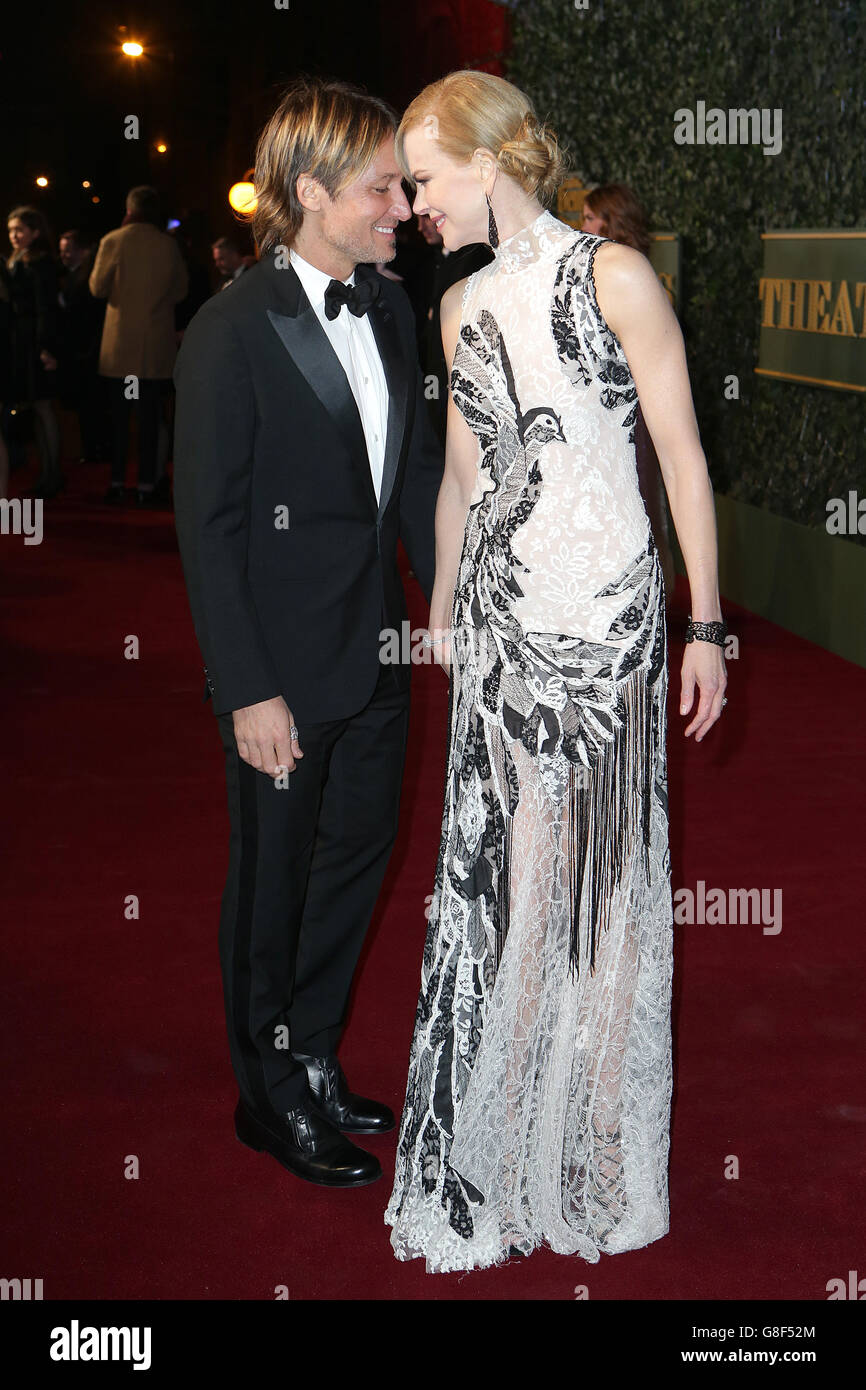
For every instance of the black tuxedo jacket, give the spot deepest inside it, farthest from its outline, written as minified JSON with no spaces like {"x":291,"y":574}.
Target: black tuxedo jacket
{"x":290,"y":564}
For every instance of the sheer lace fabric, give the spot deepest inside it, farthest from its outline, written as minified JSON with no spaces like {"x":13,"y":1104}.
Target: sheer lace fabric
{"x":537,"y":1103}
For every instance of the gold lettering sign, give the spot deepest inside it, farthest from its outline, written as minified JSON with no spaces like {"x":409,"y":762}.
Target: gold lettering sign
{"x":812,"y":297}
{"x":803,"y":306}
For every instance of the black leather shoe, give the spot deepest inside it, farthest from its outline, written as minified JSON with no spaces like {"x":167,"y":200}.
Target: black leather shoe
{"x":348,"y":1112}
{"x":308,"y":1146}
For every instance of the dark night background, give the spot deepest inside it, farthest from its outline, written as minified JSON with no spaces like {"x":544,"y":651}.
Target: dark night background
{"x":211,"y":75}
{"x":609,"y":77}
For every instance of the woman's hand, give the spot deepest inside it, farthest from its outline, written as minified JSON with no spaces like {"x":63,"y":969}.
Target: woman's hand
{"x":704,"y":667}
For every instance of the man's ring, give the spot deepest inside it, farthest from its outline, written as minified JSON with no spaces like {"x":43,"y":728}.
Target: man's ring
{"x":293,"y":731}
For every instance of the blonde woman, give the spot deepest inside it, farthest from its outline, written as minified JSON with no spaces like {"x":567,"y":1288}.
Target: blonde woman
{"x":538,"y":1098}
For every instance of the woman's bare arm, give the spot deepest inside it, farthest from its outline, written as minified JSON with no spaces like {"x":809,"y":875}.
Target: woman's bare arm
{"x":636,"y":307}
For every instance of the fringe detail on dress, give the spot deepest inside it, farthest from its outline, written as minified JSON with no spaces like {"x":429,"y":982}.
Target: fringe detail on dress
{"x":605,"y":816}
{"x":503,"y":895}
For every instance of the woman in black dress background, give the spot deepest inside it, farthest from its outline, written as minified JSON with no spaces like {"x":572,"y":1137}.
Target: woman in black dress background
{"x":35,"y":330}
{"x":5,"y":373}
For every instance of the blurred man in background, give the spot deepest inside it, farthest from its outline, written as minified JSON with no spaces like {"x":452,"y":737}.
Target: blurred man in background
{"x":141,"y":273}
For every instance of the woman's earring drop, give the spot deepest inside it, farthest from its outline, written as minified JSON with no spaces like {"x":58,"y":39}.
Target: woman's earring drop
{"x":492,"y":230}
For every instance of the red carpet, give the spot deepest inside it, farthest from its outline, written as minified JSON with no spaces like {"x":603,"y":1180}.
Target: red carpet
{"x":114,"y":1038}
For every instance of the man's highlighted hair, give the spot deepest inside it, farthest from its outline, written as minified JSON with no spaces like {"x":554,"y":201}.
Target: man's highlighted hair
{"x":322,"y":127}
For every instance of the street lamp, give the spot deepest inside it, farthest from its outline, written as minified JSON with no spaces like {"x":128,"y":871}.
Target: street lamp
{"x":131,"y":49}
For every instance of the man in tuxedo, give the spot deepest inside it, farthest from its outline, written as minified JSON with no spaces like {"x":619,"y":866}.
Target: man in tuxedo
{"x":303,"y":450}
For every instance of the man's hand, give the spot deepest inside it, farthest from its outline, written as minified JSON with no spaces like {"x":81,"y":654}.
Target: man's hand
{"x":263,"y":736}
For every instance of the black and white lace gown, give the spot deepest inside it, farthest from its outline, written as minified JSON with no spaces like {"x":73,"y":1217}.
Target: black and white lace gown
{"x":538,"y":1100}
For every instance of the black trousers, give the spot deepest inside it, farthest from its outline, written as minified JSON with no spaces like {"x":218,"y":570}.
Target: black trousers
{"x":92,"y":419}
{"x":306,"y":864}
{"x":149,"y":407}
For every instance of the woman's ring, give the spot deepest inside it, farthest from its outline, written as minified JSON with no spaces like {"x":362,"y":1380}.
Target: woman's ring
{"x":724,"y":699}
{"x":293,"y":731}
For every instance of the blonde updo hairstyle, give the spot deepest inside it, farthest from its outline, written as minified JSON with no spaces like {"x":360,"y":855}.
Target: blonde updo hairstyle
{"x":479,"y":110}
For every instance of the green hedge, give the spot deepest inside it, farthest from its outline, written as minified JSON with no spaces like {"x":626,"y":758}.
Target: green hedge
{"x":609,"y":79}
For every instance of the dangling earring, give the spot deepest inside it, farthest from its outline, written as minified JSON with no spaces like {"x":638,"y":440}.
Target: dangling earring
{"x":492,"y":230}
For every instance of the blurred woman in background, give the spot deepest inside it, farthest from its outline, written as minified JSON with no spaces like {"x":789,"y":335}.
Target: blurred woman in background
{"x":33,"y":297}
{"x":5,"y":372}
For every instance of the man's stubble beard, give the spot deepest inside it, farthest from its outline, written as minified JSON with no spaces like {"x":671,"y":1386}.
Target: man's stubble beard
{"x":368,"y":254}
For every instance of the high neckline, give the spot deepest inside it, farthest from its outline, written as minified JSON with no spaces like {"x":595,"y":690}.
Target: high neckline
{"x":539,"y":238}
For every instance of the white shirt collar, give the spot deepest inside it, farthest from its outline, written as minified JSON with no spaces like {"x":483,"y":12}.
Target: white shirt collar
{"x":314,"y":281}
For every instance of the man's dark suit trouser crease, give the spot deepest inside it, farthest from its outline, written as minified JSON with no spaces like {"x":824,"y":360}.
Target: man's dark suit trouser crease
{"x":306,"y":864}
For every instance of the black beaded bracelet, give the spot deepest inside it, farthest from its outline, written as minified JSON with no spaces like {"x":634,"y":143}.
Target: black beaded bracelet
{"x":706,"y":632}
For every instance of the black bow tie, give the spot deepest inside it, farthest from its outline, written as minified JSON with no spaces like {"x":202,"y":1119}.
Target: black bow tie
{"x":358,"y":298}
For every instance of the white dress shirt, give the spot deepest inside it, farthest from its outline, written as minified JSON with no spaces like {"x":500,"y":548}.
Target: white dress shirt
{"x":354,"y":342}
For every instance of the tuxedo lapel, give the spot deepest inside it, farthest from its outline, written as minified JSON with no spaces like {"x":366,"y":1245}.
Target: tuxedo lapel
{"x":306,"y":342}
{"x":398,"y":376}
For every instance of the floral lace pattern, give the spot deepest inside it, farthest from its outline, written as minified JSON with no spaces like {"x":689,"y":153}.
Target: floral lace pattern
{"x":537,"y":1103}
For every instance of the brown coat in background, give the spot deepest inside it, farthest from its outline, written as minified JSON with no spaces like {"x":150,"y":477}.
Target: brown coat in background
{"x":141,"y":273}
